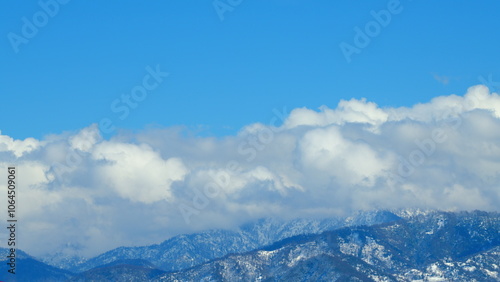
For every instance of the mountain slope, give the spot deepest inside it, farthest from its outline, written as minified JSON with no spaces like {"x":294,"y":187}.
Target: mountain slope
{"x":185,"y":251}
{"x":29,"y":269}
{"x":413,"y":246}
{"x":123,"y":270}
{"x":436,"y":246}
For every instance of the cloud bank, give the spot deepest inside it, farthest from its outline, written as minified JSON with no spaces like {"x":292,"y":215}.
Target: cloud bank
{"x":81,"y":194}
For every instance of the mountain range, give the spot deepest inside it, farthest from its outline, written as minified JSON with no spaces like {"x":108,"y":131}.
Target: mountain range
{"x":403,"y":245}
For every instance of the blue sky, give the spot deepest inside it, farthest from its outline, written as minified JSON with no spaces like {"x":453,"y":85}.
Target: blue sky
{"x":227,"y":73}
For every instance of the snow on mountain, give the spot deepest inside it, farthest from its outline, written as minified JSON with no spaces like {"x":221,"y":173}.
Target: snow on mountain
{"x":410,"y":245}
{"x":462,"y":247}
{"x":185,"y":251}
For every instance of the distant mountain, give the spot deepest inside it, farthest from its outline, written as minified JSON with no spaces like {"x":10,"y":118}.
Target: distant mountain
{"x":4,"y":252}
{"x":63,"y":260}
{"x":29,"y":269}
{"x":185,"y":251}
{"x":409,"y":245}
{"x":436,"y":246}
{"x":121,"y":270}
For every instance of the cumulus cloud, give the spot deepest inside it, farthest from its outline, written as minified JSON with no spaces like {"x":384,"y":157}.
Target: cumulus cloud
{"x":353,"y":110}
{"x":17,"y":147}
{"x":81,"y":194}
{"x":350,"y":162}
{"x":136,"y":172}
{"x":85,"y":139}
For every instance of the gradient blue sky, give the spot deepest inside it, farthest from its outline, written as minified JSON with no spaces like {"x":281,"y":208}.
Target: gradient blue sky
{"x":226,"y":74}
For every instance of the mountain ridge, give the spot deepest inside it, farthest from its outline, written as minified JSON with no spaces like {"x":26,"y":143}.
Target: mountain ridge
{"x":371,"y":246}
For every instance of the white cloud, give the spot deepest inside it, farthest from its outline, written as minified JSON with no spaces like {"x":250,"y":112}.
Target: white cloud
{"x":80,"y":193}
{"x":351,"y":163}
{"x":137,"y":172}
{"x":85,"y":139}
{"x":353,"y":110}
{"x":444,"y":79}
{"x":18,"y":147}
